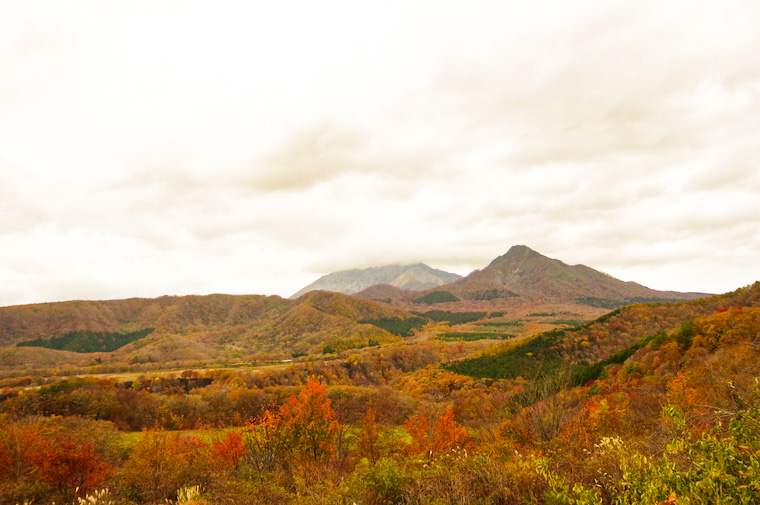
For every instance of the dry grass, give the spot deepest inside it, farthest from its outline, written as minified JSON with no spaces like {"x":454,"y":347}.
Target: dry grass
{"x":169,"y":372}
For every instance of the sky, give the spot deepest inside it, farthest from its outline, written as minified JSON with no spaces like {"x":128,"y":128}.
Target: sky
{"x":193,"y":147}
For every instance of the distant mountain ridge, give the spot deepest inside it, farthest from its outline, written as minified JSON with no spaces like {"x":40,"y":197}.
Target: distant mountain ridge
{"x":417,"y":277}
{"x":526,"y":273}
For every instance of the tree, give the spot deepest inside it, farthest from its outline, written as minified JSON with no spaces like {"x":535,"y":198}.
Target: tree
{"x":308,"y":423}
{"x":441,"y":436}
{"x":68,"y":466}
{"x":228,"y":452}
{"x":368,"y":444}
{"x":302,"y":430}
{"x":448,"y":435}
{"x":161,"y":463}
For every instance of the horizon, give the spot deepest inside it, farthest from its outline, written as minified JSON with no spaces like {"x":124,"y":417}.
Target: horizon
{"x":150,"y":149}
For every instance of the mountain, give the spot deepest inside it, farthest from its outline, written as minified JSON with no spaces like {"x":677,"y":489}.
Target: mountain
{"x":525,"y":273}
{"x":177,"y":328}
{"x":381,"y":292}
{"x":418,"y":277}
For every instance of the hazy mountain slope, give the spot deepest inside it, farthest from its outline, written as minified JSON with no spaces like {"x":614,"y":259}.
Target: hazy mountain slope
{"x":409,"y":277}
{"x":381,"y":292}
{"x":529,"y":274}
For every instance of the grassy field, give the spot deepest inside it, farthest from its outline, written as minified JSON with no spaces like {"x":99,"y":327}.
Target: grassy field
{"x":131,"y":376}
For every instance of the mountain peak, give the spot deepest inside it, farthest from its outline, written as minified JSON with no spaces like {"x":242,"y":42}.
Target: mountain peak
{"x":518,"y":252}
{"x":520,"y":259}
{"x":415,"y":277}
{"x":527,"y":273}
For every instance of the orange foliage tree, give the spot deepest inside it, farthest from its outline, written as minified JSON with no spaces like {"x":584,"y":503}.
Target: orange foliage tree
{"x":228,"y":452}
{"x":161,"y":463}
{"x":434,"y":437}
{"x":368,"y":444}
{"x":302,"y":430}
{"x":308,"y":423}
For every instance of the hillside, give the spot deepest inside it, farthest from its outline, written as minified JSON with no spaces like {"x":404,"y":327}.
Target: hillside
{"x":646,"y":403}
{"x":200,"y":328}
{"x":525,"y":273}
{"x":418,"y":277}
{"x":672,"y":416}
{"x":603,"y":339}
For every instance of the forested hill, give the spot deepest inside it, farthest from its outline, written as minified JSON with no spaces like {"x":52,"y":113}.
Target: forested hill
{"x":200,"y":327}
{"x":620,"y":332}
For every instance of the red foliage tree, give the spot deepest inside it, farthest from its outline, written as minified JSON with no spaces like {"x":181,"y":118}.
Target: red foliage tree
{"x":228,"y":452}
{"x":448,"y":435}
{"x":67,"y":465}
{"x":307,"y":423}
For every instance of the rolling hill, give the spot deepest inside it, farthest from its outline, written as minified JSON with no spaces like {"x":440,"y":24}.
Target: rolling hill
{"x":211,"y":327}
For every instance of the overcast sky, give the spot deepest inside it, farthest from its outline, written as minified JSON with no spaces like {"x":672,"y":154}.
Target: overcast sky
{"x":187,"y":147}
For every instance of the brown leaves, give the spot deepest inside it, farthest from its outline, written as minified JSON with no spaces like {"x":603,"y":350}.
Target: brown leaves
{"x":161,"y":463}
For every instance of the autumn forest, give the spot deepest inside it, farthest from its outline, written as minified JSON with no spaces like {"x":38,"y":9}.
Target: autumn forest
{"x":526,"y":382}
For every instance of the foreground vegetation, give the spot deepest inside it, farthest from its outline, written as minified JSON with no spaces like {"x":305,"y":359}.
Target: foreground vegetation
{"x":651,"y":404}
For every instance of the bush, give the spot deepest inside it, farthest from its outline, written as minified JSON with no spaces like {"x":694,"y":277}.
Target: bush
{"x":698,"y":470}
{"x":384,"y":483}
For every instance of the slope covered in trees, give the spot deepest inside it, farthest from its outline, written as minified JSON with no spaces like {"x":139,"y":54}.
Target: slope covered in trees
{"x":668,"y":412}
{"x":196,"y":327}
{"x":599,"y":339}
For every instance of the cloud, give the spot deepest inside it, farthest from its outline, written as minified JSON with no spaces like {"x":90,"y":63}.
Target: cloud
{"x":615,"y":83}
{"x":313,"y":156}
{"x":245,"y":148}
